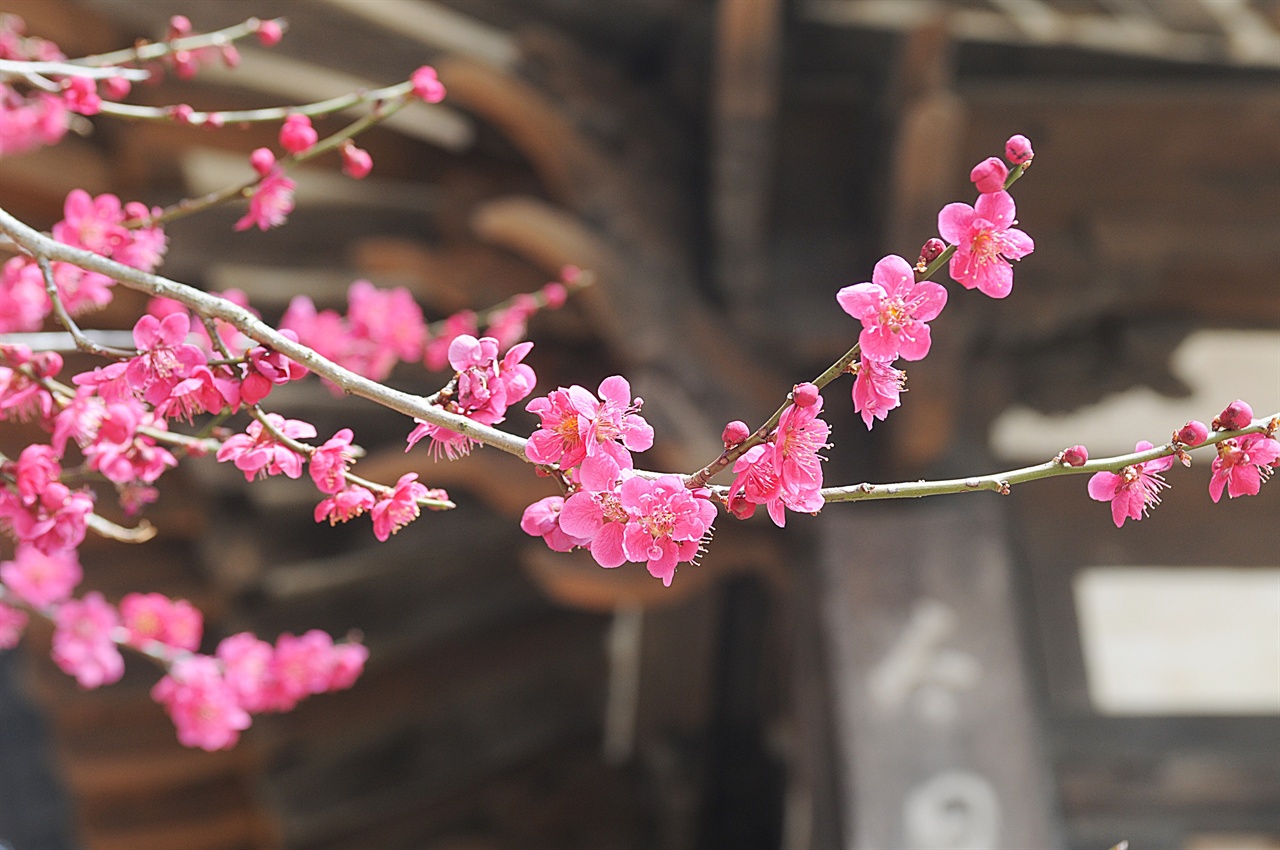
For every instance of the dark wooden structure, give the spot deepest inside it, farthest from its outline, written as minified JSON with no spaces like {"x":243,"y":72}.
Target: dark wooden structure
{"x":883,"y":676}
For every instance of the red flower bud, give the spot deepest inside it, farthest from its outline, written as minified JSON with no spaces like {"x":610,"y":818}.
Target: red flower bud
{"x":116,"y":88}
{"x":1074,"y":456}
{"x":262,"y":160}
{"x":1236,"y":415}
{"x":270,"y":33}
{"x":356,"y":162}
{"x":931,"y":251}
{"x":555,"y":294}
{"x":805,"y":395}
{"x":989,"y":175}
{"x":427,"y":85}
{"x":297,"y":134}
{"x":1192,"y":434}
{"x":1018,"y":150}
{"x":734,"y":433}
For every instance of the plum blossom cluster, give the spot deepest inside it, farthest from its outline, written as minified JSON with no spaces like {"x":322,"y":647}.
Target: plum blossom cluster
{"x":896,"y":306}
{"x":1242,"y":465}
{"x":209,"y":697}
{"x":29,"y":117}
{"x":385,"y":327}
{"x":94,"y":224}
{"x":617,"y":515}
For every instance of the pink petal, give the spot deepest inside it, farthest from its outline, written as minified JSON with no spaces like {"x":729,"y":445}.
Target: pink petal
{"x":954,"y":221}
{"x":997,"y":208}
{"x":929,"y":299}
{"x":862,"y":300}
{"x":894,"y":274}
{"x":616,"y":389}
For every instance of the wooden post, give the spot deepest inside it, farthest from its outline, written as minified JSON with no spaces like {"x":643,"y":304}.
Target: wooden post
{"x":935,"y":728}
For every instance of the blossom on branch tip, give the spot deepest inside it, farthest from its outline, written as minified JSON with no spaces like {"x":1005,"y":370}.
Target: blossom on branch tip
{"x":1134,"y":490}
{"x":1242,"y":465}
{"x":893,"y":309}
{"x":985,"y":241}
{"x":427,"y":85}
{"x":1018,"y":150}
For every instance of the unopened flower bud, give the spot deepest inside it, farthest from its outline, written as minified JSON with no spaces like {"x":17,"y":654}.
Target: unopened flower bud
{"x":1018,"y":150}
{"x":1075,"y":456}
{"x":740,"y":507}
{"x":931,"y":251}
{"x":555,"y":294}
{"x":1237,"y":415}
{"x":116,"y":88}
{"x":181,"y":113}
{"x":297,"y":134}
{"x":734,"y":433}
{"x":805,"y":395}
{"x":179,"y":25}
{"x":262,"y":160}
{"x":1192,"y":434}
{"x":989,"y":175}
{"x":356,"y":162}
{"x":214,"y":121}
{"x":270,"y":33}
{"x":427,"y":85}
{"x":230,"y":56}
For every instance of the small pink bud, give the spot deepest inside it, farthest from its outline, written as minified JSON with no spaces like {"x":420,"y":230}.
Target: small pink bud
{"x":116,"y":88}
{"x":356,"y":162}
{"x":427,"y":85}
{"x":734,"y":433}
{"x":1237,"y":415}
{"x":1018,"y":150}
{"x":1193,"y":433}
{"x":570,"y":274}
{"x":931,"y":251}
{"x":1075,"y":456}
{"x":555,"y":294}
{"x":230,"y":56}
{"x":297,"y":134}
{"x":262,"y":160}
{"x":179,"y":25}
{"x":214,"y":121}
{"x":805,"y":395}
{"x":989,"y":175}
{"x":181,"y":113}
{"x":184,"y":64}
{"x":270,"y":33}
{"x":740,"y":507}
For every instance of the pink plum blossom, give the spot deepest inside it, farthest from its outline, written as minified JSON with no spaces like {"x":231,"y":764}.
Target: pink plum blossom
{"x":599,"y":433}
{"x":329,"y":462}
{"x":176,"y":623}
{"x":985,"y":241}
{"x":246,"y":667}
{"x":893,"y":309}
{"x":666,"y":523}
{"x":270,"y":204}
{"x":41,"y":579}
{"x":398,"y":508}
{"x":1134,"y":490}
{"x":164,"y":359}
{"x":345,"y":504}
{"x":1242,"y":464}
{"x":596,"y":514}
{"x":257,"y":452}
{"x":82,"y":644}
{"x":201,"y":703}
{"x":12,"y":622}
{"x":542,"y":519}
{"x":877,"y":389}
{"x":799,"y":438}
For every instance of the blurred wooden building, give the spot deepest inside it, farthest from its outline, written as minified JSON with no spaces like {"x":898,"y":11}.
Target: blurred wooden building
{"x":923,"y":675}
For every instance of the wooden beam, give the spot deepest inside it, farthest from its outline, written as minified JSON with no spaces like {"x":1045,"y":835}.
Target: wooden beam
{"x":748,"y":55}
